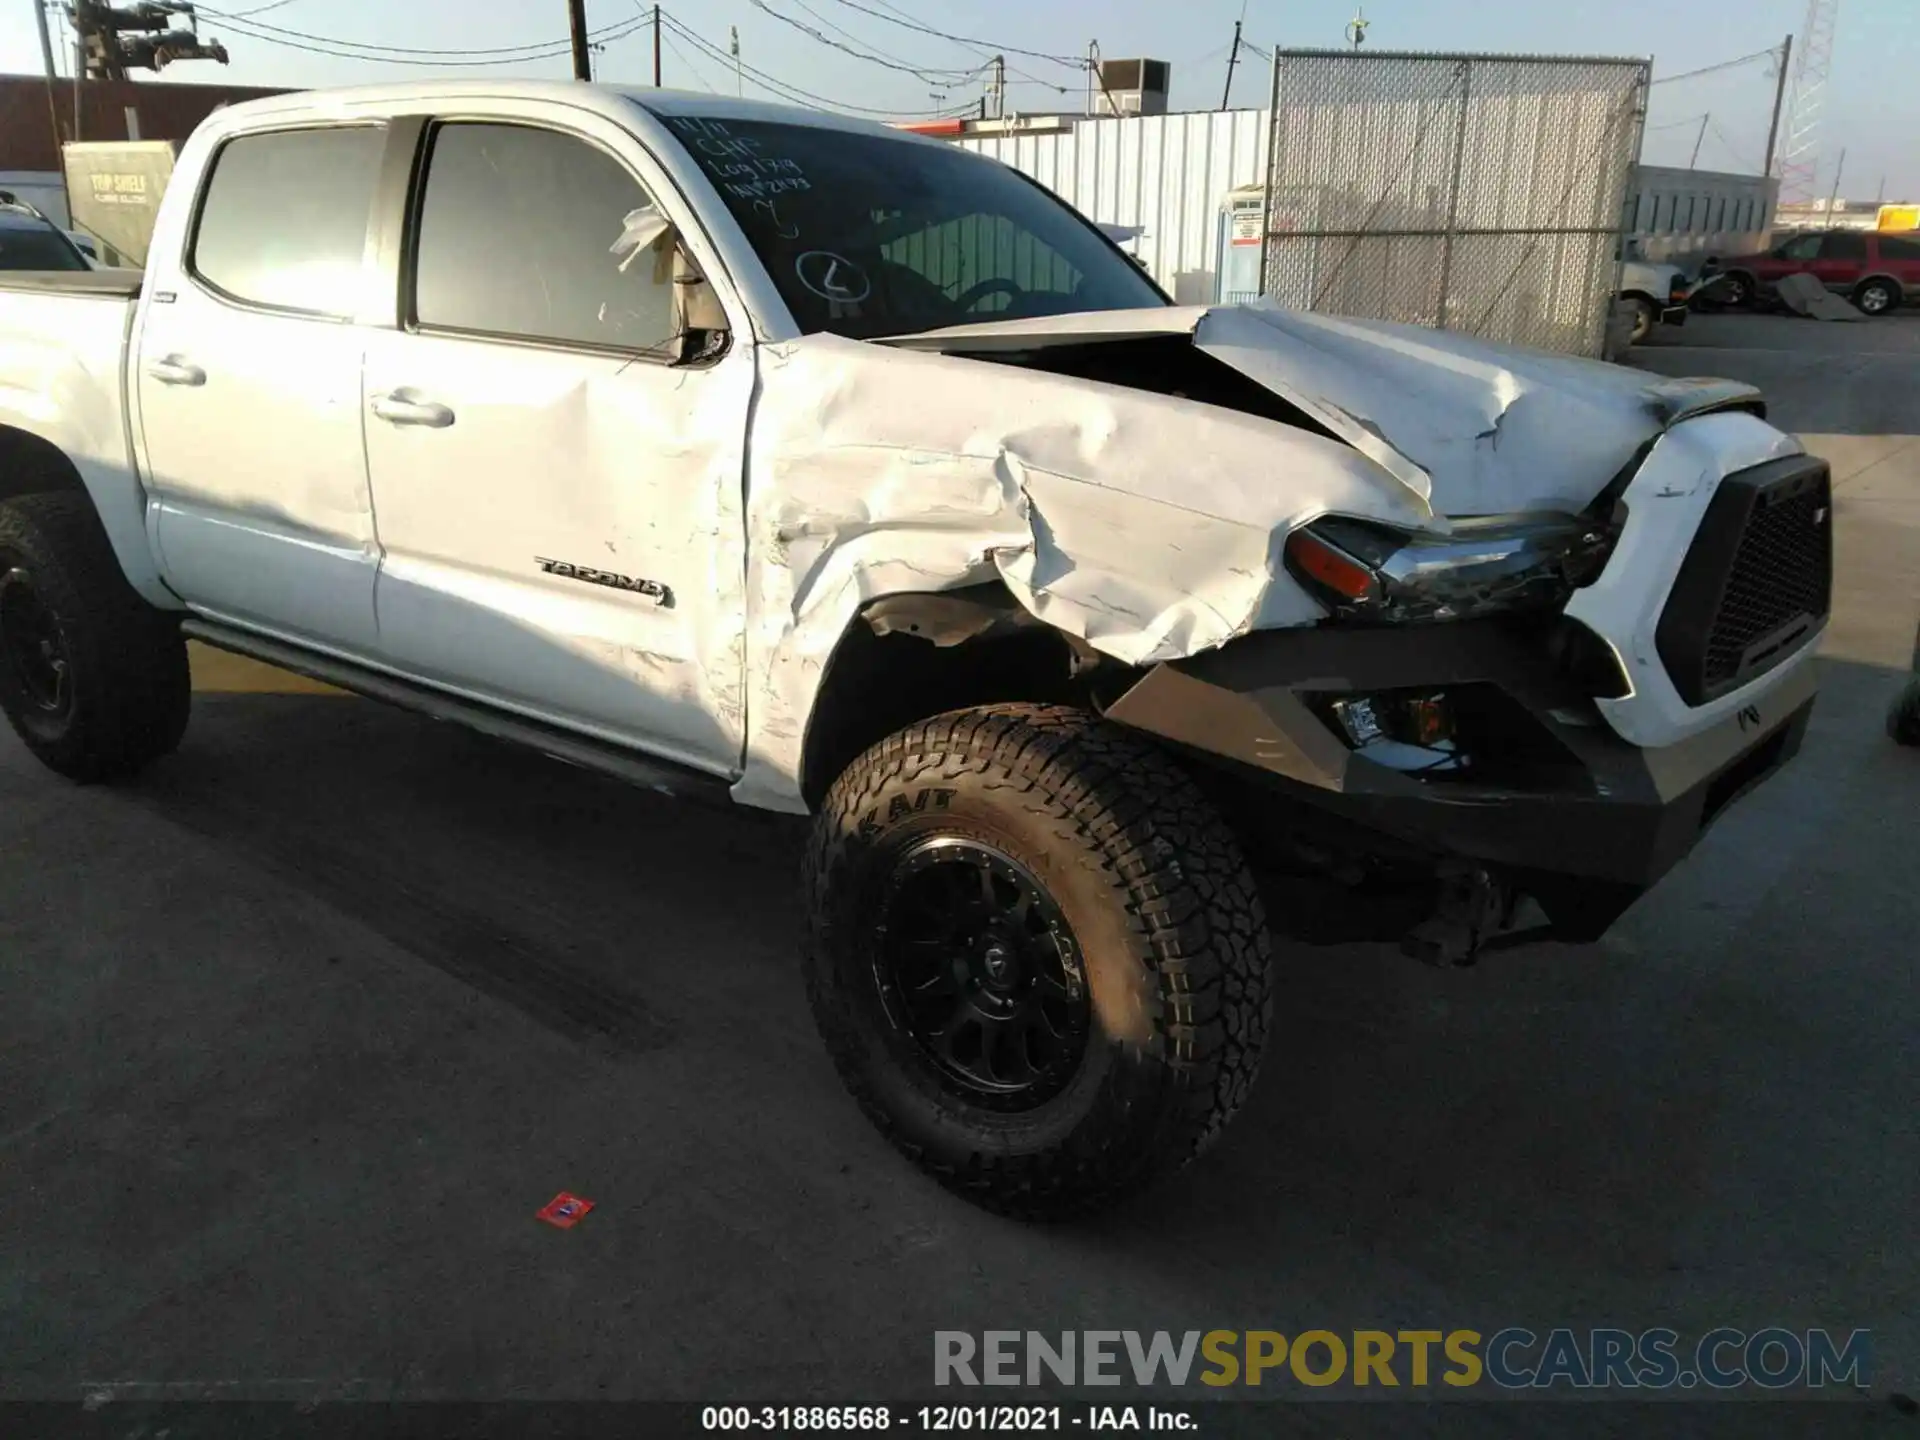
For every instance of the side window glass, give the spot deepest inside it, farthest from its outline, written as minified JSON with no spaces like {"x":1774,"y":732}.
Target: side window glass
{"x":1899,"y":249}
{"x":517,"y":237}
{"x":1844,"y":245}
{"x":284,"y":218}
{"x":1803,"y":247}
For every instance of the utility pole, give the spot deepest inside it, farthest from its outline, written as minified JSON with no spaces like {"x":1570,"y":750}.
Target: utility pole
{"x":1705,"y":120}
{"x":577,"y":28}
{"x":1233,"y":58}
{"x":53,"y":103}
{"x":739,"y":81}
{"x":656,"y":47}
{"x":1779,"y":101}
{"x":999,"y":87}
{"x":1838,"y":171}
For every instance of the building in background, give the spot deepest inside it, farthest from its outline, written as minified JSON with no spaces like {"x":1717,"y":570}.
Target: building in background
{"x":30,"y":163}
{"x":1835,"y":214}
{"x":1683,"y":217}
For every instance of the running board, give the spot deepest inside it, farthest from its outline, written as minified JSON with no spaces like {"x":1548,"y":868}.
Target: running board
{"x":663,"y":776}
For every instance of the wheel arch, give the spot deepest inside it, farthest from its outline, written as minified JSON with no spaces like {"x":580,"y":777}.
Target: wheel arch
{"x":32,"y":464}
{"x":1892,"y":282}
{"x":907,"y":657}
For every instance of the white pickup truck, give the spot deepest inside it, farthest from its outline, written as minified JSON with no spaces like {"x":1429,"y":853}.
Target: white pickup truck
{"x":731,"y":448}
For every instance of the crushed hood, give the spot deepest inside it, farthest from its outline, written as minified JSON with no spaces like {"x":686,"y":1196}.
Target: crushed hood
{"x":1467,"y":426}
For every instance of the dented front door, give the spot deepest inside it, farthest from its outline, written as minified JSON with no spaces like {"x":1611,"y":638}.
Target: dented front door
{"x":559,"y":505}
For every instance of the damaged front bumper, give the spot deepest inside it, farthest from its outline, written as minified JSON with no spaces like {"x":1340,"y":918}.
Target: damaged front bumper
{"x":1531,"y":794}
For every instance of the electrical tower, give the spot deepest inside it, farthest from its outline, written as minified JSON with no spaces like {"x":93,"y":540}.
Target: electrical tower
{"x":115,"y":40}
{"x":1800,"y":154}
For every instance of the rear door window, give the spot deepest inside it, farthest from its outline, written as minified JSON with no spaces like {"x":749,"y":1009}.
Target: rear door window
{"x":1845,"y":245}
{"x":283,"y":221}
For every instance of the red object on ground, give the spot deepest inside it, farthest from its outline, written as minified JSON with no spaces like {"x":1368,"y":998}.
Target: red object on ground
{"x":564,"y":1211}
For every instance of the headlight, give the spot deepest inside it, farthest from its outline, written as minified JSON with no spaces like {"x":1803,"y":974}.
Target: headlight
{"x":1362,"y":570}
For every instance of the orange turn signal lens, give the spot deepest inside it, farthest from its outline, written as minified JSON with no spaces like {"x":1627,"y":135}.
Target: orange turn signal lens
{"x":1333,"y":568}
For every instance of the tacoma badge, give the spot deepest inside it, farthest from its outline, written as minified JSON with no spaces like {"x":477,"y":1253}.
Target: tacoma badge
{"x":660,"y":594}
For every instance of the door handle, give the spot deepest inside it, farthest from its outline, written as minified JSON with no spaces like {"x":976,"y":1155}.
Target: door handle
{"x":172,"y":370}
{"x":401,"y":408}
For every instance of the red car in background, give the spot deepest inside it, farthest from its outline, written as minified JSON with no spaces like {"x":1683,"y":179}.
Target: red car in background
{"x":1876,"y":270}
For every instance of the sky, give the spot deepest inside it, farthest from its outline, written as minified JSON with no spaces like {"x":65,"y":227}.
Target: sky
{"x":1872,"y":109}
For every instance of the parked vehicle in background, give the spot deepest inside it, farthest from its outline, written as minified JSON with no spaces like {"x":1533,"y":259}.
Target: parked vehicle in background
{"x":1657,"y":295}
{"x":734,"y":449}
{"x":30,"y":241}
{"x":1877,"y":271}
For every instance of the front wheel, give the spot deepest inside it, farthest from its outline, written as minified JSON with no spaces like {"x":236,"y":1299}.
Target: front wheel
{"x":1643,"y":321}
{"x":1036,"y":955}
{"x":1736,"y":291}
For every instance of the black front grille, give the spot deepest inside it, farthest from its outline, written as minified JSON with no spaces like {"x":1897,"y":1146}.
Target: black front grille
{"x":1757,"y":582}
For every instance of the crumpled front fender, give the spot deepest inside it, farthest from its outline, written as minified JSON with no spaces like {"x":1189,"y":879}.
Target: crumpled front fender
{"x":1145,"y":525}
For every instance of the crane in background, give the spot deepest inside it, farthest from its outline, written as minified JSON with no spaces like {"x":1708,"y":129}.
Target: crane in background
{"x":1800,"y":154}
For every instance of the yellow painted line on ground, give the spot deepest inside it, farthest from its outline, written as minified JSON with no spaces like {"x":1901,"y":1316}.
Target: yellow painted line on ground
{"x":217,"y":672}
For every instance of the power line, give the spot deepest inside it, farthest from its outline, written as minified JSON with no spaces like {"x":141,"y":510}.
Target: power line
{"x":687,"y":61}
{"x":1738,"y":158}
{"x":1074,"y":62}
{"x":904,"y":64}
{"x":429,"y":59}
{"x":929,"y":74}
{"x":1675,"y":124}
{"x":1767,"y":54}
{"x":775,"y":86}
{"x":607,"y":32}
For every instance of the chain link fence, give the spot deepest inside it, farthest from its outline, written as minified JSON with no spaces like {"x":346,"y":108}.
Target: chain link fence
{"x":1479,"y":193}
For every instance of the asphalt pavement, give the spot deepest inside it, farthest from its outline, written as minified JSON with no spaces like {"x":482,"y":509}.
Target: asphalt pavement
{"x":299,"y":1031}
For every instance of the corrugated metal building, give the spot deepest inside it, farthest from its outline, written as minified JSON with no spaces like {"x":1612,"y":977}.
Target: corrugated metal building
{"x":1683,"y":216}
{"x":1167,"y":174}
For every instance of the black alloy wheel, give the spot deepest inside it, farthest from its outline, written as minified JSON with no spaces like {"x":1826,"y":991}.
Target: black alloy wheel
{"x":33,"y":645}
{"x":979,"y":973}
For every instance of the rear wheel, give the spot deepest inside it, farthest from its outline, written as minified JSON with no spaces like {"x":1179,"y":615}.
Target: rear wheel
{"x":1036,"y":955}
{"x":92,"y":678}
{"x":1876,"y":297}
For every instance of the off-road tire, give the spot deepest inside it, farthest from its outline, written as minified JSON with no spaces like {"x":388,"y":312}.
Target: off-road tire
{"x":126,"y":664}
{"x":1903,"y":716}
{"x":1171,"y":932}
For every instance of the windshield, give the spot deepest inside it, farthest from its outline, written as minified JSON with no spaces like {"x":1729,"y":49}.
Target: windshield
{"x":867,"y":236}
{"x":35,"y":247}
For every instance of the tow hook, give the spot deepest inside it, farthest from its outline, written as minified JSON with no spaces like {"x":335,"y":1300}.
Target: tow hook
{"x":1473,"y":908}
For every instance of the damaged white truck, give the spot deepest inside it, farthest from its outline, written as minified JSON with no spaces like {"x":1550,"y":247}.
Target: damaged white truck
{"x":733,"y":448}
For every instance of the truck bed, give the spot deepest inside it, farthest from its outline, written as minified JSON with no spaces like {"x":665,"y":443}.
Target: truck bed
{"x":108,"y":284}
{"x":63,"y":347}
